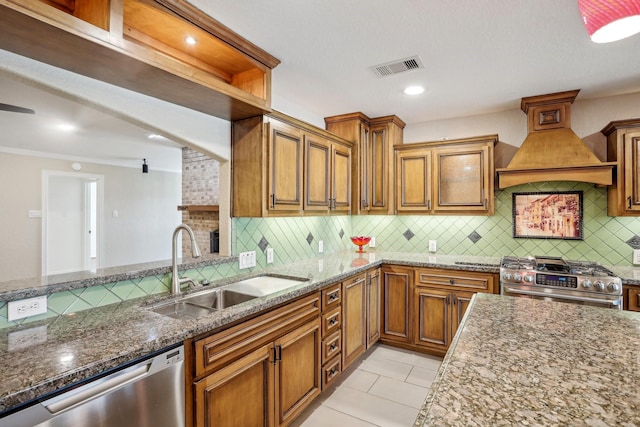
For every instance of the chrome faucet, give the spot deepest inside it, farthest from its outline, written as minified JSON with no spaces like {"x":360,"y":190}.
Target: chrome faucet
{"x":176,"y":281}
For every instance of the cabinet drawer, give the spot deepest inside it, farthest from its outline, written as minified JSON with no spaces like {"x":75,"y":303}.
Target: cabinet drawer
{"x":331,"y":371}
{"x":479,"y":282}
{"x":331,"y":346}
{"x":224,"y":347}
{"x":331,"y":297}
{"x":331,"y":321}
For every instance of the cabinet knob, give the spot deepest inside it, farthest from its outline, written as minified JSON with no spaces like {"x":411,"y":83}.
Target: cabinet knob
{"x":333,"y":321}
{"x":451,"y":281}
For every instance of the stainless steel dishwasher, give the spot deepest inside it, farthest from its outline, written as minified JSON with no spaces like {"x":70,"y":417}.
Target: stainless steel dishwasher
{"x":148,"y":393}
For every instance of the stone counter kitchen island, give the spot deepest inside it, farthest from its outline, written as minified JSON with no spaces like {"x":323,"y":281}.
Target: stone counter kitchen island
{"x":517,"y":361}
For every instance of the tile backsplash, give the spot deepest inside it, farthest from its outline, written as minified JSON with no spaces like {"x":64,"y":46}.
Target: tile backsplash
{"x":606,"y":240}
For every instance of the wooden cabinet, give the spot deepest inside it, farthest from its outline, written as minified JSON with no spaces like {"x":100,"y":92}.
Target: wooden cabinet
{"x":283,"y":167}
{"x":332,"y":344}
{"x":327,"y":175}
{"x":372,"y":161}
{"x":446,"y":177}
{"x":354,"y":328}
{"x":623,"y":147}
{"x":631,"y":297}
{"x":261,"y":372}
{"x":139,"y":45}
{"x":397,"y":289}
{"x":441,"y":298}
{"x":373,"y":306}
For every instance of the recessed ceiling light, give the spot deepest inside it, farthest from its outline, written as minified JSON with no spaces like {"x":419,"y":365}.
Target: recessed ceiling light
{"x":66,"y":127}
{"x":190,"y":40}
{"x":414,"y":90}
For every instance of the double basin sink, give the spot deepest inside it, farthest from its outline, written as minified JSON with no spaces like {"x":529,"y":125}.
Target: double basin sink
{"x":201,"y":303}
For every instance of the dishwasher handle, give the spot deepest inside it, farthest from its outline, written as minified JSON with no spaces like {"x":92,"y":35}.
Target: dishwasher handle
{"x":74,"y":398}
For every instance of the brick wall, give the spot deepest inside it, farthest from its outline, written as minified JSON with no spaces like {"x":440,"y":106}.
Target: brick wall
{"x":200,"y":186}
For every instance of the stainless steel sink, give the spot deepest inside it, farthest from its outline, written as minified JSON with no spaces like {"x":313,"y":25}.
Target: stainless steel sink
{"x":203,"y":303}
{"x":218,"y":299}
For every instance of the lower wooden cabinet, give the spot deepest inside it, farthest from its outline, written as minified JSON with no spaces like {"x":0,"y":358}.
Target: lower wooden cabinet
{"x":354,"y":328}
{"x":631,"y":297}
{"x":332,"y":341}
{"x":373,"y":306}
{"x":397,"y":287}
{"x":263,"y":372}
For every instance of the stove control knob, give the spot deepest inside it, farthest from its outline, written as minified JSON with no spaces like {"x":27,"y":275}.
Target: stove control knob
{"x":586,"y":283}
{"x":528,"y":278}
{"x":517,"y":277}
{"x":599,"y":286}
{"x":613,"y":287}
{"x":506,"y":275}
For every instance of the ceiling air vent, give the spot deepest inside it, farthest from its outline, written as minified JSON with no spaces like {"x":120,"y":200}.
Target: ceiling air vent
{"x":399,"y":66}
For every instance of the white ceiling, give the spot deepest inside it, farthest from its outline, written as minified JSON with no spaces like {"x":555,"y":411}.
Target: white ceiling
{"x":480,"y":56}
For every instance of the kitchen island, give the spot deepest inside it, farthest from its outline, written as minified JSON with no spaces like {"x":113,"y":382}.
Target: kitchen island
{"x":516,"y":361}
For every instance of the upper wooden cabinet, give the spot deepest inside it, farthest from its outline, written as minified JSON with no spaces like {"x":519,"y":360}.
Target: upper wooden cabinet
{"x":623,"y":147}
{"x":140,"y":45}
{"x":444,"y":177}
{"x":372,"y":162}
{"x":282,"y":166}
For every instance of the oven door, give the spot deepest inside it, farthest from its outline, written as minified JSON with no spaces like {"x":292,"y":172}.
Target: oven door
{"x":562,"y":295}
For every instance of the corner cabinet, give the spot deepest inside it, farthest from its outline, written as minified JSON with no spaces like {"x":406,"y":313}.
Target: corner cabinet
{"x":446,"y":177}
{"x":284,"y":167}
{"x":372,"y":161}
{"x":623,"y":147}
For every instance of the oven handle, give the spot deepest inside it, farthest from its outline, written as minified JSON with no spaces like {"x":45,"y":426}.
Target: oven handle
{"x":544,"y":294}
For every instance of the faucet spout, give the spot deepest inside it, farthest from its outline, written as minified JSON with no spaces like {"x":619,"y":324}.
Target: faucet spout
{"x":176,"y":281}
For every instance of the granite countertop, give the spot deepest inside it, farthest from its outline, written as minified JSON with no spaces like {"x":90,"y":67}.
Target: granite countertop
{"x":517,"y":361}
{"x":41,"y":357}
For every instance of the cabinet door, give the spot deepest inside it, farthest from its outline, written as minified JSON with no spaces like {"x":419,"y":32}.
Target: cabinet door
{"x":285,"y":167}
{"x":396,"y":310}
{"x":297,"y":372}
{"x":633,"y":299}
{"x":317,"y":153}
{"x":460,"y":302}
{"x":341,"y":178}
{"x":238,"y":395}
{"x":413,"y":170}
{"x":632,"y":171}
{"x":379,"y":169}
{"x":373,"y":307}
{"x":432,"y":307}
{"x":354,"y":326}
{"x":364,"y":169}
{"x":461,"y":177}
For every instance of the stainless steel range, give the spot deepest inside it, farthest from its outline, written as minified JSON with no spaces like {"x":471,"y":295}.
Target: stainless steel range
{"x":553,"y":278}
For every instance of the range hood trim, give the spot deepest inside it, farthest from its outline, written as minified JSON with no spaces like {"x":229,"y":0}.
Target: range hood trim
{"x":552,"y":151}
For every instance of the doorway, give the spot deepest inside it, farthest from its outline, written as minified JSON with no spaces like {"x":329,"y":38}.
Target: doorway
{"x":71,"y":225}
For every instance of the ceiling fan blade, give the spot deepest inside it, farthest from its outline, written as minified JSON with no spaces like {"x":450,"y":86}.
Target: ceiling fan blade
{"x":16,"y":109}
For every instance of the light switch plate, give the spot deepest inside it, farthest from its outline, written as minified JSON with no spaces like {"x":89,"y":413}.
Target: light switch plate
{"x":269,"y":255}
{"x":372,"y":242}
{"x":320,"y":246}
{"x":247,"y":259}
{"x":636,"y":256}
{"x":432,"y":246}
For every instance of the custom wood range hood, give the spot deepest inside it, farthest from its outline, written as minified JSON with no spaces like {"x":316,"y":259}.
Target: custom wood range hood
{"x":552,"y":151}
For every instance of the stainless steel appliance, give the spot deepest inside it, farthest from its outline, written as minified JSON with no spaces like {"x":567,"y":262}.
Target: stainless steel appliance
{"x":148,"y":393}
{"x":553,"y":278}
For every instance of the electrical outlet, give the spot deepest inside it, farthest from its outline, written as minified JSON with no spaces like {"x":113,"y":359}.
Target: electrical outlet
{"x":320,"y":246}
{"x":432,"y":246}
{"x":252,"y":259}
{"x":636,"y":256}
{"x":26,"y":307}
{"x":269,"y":255}
{"x":372,"y":242}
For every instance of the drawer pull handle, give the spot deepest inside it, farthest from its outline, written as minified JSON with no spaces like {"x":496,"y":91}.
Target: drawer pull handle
{"x":333,"y":296}
{"x":332,"y":373}
{"x":333,"y":346}
{"x":333,"y":321}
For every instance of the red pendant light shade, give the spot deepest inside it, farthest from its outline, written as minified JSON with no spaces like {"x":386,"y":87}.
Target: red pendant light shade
{"x":610,"y":20}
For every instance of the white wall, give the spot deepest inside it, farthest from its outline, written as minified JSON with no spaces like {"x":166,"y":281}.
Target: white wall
{"x":146,"y":205}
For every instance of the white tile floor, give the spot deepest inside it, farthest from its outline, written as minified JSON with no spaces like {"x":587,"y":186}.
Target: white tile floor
{"x":385,"y":389}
